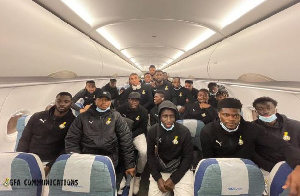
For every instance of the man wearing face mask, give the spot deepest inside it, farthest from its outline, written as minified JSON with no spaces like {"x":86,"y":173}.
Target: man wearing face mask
{"x":230,"y":136}
{"x":277,"y":125}
{"x":134,"y":111}
{"x":102,"y":131}
{"x":170,"y":154}
{"x":144,"y":90}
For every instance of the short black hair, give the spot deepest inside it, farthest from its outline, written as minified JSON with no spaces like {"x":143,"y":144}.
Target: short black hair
{"x":158,"y":71}
{"x":222,"y":92}
{"x":211,"y":85}
{"x":90,"y":82}
{"x":162,"y":93}
{"x":177,"y":78}
{"x":113,"y":80}
{"x":263,"y":100}
{"x":189,"y":81}
{"x":204,"y":90}
{"x":64,"y":94}
{"x":229,"y":103}
{"x":152,"y":66}
{"x":147,"y":73}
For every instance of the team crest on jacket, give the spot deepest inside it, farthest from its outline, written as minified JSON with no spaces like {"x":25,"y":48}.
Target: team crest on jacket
{"x":143,"y":92}
{"x":180,"y":94}
{"x":175,"y":141}
{"x":241,"y":142}
{"x":137,"y":118}
{"x":286,"y":136}
{"x":166,"y":88}
{"x":108,"y":121}
{"x":203,"y":114}
{"x":62,"y":125}
{"x":43,"y":121}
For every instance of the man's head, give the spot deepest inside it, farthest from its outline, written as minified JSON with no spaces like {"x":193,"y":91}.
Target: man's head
{"x":189,"y":84}
{"x":265,"y":106}
{"x":167,"y":113}
{"x":176,"y":82}
{"x":134,"y":100}
{"x":222,"y":95}
{"x":152,"y":69}
{"x":121,"y":90}
{"x":147,"y":77}
{"x":112,"y":83}
{"x":63,"y":102}
{"x":165,"y":75}
{"x":203,"y":95}
{"x":229,"y":110}
{"x":134,"y":79}
{"x":90,"y":86}
{"x":159,"y":77}
{"x":159,"y":97}
{"x":212,"y":87}
{"x":103,"y":100}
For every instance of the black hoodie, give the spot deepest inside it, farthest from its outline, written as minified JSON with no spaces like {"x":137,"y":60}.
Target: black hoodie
{"x":168,"y":150}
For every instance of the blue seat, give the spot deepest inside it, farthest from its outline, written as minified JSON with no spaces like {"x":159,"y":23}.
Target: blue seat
{"x":277,"y":179}
{"x":23,"y":174}
{"x":95,"y":171}
{"x":195,"y":127}
{"x":21,"y":123}
{"x":228,"y":176}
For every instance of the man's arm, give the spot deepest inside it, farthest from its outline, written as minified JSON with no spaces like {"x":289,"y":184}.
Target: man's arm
{"x":74,"y":136}
{"x":149,"y":102}
{"x":142,"y":126}
{"x":293,"y":182}
{"x":24,"y":142}
{"x":207,"y":146}
{"x":79,"y":95}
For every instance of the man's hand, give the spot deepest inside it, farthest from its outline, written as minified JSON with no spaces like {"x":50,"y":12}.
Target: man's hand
{"x":169,"y":185}
{"x":293,"y":182}
{"x":161,"y":185}
{"x":85,"y":108}
{"x":47,"y":170}
{"x":204,"y":105}
{"x":182,"y":109}
{"x":130,"y":171}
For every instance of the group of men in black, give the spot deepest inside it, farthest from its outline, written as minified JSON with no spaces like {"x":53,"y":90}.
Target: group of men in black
{"x":115,"y":125}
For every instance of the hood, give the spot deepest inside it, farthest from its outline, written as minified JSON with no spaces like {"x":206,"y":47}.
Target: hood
{"x":170,"y":105}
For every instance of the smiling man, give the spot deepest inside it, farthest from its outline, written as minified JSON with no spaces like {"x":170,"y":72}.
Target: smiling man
{"x":45,"y":132}
{"x":230,"y":136}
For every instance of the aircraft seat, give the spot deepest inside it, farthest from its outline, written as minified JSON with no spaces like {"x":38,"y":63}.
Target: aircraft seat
{"x":82,"y":174}
{"x":21,"y":123}
{"x":228,"y":176}
{"x":22,"y":174}
{"x":277,"y":178}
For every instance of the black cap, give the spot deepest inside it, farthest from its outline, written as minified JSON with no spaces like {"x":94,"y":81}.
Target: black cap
{"x":113,"y":80}
{"x":103,"y":94}
{"x":134,"y":95}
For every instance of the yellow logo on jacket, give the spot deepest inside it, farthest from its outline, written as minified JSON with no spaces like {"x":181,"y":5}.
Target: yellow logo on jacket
{"x":108,"y":121}
{"x":143,"y":92}
{"x":137,"y":118}
{"x":166,"y":88}
{"x":286,"y":136}
{"x":180,"y":94}
{"x":63,"y":125}
{"x":175,"y":141}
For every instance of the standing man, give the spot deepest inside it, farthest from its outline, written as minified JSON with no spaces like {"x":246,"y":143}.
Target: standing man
{"x":134,"y":111}
{"x":189,"y":86}
{"x":111,"y":88}
{"x":87,"y":96}
{"x":152,"y":70}
{"x":147,"y":78}
{"x":102,"y":131}
{"x":277,"y":125}
{"x":159,"y":97}
{"x":144,"y":90}
{"x":160,"y":84}
{"x":45,"y":131}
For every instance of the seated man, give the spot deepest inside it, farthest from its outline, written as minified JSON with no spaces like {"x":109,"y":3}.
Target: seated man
{"x":111,"y":88}
{"x":231,"y":136}
{"x":102,"y":131}
{"x":221,"y":94}
{"x":277,"y":125}
{"x":158,"y":99}
{"x":189,"y":86}
{"x":201,"y":110}
{"x":87,"y":95}
{"x":213,"y":89}
{"x":134,"y":111}
{"x":170,"y":154}
{"x":45,"y":131}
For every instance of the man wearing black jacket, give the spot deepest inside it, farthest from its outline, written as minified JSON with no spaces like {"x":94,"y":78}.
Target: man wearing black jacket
{"x":169,"y":142}
{"x":111,"y":88}
{"x":231,"y":136}
{"x":45,"y":131}
{"x":158,"y":99}
{"x":134,"y":111}
{"x":161,"y":84}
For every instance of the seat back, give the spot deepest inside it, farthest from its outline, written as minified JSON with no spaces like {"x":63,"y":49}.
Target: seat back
{"x":23,"y":174}
{"x":228,"y":176}
{"x":83,"y":174}
{"x":21,"y":123}
{"x":277,"y":179}
{"x":195,"y":127}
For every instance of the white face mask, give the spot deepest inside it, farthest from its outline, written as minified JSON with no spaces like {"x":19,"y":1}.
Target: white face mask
{"x":100,"y":110}
{"x":136,"y":87}
{"x":168,"y":129}
{"x":268,"y":119}
{"x":228,"y":130}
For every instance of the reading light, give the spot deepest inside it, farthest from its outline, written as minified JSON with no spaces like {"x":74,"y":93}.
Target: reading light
{"x":204,"y":36}
{"x":242,"y":8}
{"x":80,"y":10}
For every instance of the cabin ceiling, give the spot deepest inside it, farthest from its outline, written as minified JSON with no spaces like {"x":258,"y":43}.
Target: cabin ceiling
{"x":161,"y":32}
